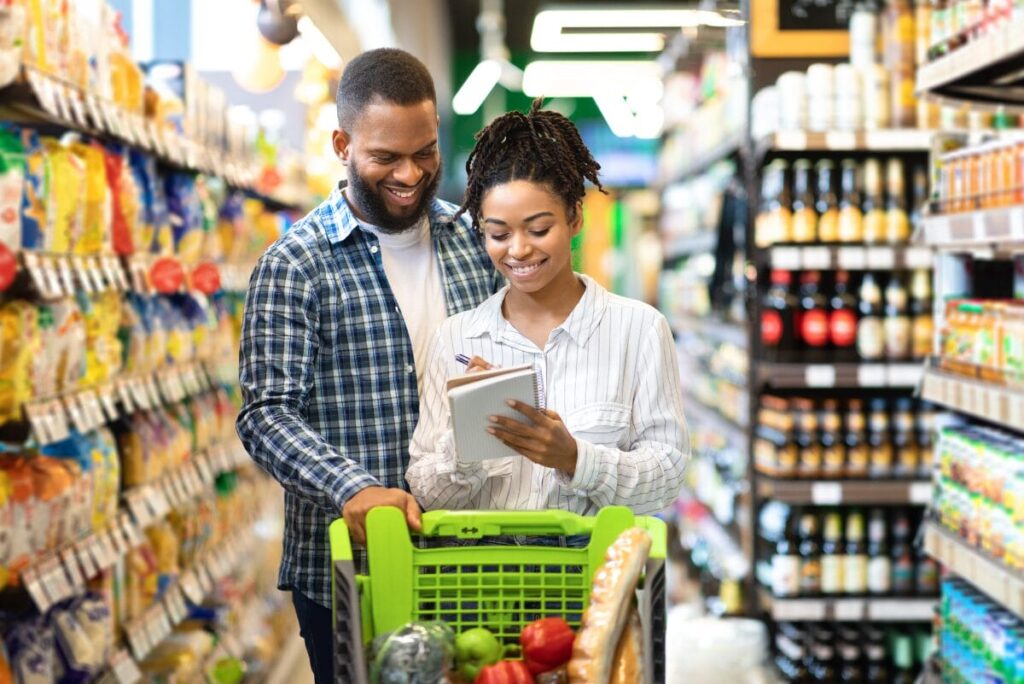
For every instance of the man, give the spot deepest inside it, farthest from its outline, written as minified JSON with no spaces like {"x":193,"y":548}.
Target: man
{"x":338,"y":318}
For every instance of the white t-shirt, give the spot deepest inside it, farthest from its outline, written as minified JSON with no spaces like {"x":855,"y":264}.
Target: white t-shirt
{"x":411,"y":267}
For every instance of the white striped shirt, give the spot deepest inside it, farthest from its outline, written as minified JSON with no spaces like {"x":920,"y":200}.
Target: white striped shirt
{"x":609,"y":370}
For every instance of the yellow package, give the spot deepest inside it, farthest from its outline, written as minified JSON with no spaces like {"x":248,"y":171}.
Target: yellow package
{"x":166,"y":547}
{"x":96,"y":211}
{"x":6,"y":529}
{"x":69,"y":345}
{"x":19,"y":344}
{"x":65,"y":197}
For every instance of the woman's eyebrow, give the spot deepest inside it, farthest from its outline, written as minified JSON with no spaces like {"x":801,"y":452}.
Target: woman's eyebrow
{"x":532,"y":217}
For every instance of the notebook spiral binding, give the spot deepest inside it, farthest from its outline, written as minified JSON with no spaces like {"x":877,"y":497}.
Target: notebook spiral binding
{"x":539,"y":399}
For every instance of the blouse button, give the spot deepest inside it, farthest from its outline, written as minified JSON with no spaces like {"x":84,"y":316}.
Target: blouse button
{"x":374,"y":249}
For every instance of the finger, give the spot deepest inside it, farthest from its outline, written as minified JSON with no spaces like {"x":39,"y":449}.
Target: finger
{"x":412,"y":513}
{"x":514,"y":427}
{"x":518,"y":441}
{"x":552,"y":415}
{"x":478,"y":362}
{"x":529,"y":411}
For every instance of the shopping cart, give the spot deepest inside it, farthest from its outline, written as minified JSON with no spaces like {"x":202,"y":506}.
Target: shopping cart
{"x":477,"y":581}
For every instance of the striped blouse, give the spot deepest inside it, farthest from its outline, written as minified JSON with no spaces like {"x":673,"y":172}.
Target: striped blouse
{"x":609,"y":370}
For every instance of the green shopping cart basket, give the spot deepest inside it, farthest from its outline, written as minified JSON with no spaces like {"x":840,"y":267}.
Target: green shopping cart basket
{"x":482,"y":583}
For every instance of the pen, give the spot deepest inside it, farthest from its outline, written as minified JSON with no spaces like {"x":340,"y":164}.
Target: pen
{"x":463,"y":359}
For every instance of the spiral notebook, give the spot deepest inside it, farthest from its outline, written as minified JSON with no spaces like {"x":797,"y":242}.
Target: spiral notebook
{"x":474,"y":397}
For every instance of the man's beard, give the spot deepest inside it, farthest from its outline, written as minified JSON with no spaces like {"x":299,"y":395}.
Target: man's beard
{"x":371,"y":205}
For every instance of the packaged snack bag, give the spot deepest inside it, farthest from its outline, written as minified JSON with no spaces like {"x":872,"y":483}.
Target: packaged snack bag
{"x":68,"y":345}
{"x":21,"y":505}
{"x":35,"y":197}
{"x":132,"y":450}
{"x":76,"y":453}
{"x":96,"y":212}
{"x":32,"y":651}
{"x":12,"y":186}
{"x":186,"y":216}
{"x":19,"y":344}
{"x":65,"y":198}
{"x":53,"y":483}
{"x":6,"y":532}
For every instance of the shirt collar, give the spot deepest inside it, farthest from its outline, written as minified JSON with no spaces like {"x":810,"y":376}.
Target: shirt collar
{"x":581,"y":323}
{"x":339,"y":221}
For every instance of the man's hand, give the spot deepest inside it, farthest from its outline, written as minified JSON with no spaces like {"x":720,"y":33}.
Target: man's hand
{"x":359,"y":505}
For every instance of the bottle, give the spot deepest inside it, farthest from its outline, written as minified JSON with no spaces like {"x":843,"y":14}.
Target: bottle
{"x":810,"y":556}
{"x":806,"y":437}
{"x":902,"y":556}
{"x":922,"y":329}
{"x":870,"y":332}
{"x":897,"y":223}
{"x":833,"y":449}
{"x":898,"y":24}
{"x":850,"y":670}
{"x":903,"y":659}
{"x":850,"y":226}
{"x":855,"y":560}
{"x":872,"y":208}
{"x":814,"y":330}
{"x":825,"y":202}
{"x":857,"y":454}
{"x":778,"y":329}
{"x":938,"y":33}
{"x":926,"y":574}
{"x":832,"y":555}
{"x":879,"y":440}
{"x":773,"y":223}
{"x":805,"y":218}
{"x":786,"y":566}
{"x":920,"y":198}
{"x":842,"y":320}
{"x":877,"y":670}
{"x":825,"y":669}
{"x":896,"y":325}
{"x":879,"y":563}
{"x":903,"y":440}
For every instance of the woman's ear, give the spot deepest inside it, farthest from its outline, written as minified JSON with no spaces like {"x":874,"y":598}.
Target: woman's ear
{"x":576,"y":219}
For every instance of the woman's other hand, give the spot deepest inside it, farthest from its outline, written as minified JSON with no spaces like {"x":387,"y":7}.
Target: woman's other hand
{"x":544,"y":439}
{"x":476,"y":364}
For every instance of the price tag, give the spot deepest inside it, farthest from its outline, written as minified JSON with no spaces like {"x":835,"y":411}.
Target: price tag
{"x":205,"y":578}
{"x":840,"y":140}
{"x":73,"y":569}
{"x":77,"y":107}
{"x":138,"y":640}
{"x":109,"y":404}
{"x":178,"y":385}
{"x":791,"y":140}
{"x":31,"y":581}
{"x":938,"y":230}
{"x":918,"y":257}
{"x":90,"y":406}
{"x":81,"y":276}
{"x":848,"y":610}
{"x":871,"y":375}
{"x":786,"y":258}
{"x":40,"y":426}
{"x":124,"y":668}
{"x":826,"y":493}
{"x":904,"y":374}
{"x":798,"y":610}
{"x":154,"y":394}
{"x":43,"y":90}
{"x":103,"y":550}
{"x":55,"y":581}
{"x":83,"y":551}
{"x":979,"y":228}
{"x":163,"y":622}
{"x":816,"y":258}
{"x":158,"y":499}
{"x":60,"y":100}
{"x":130,"y":531}
{"x":881,"y":258}
{"x":94,"y":274}
{"x":117,"y":540}
{"x":893,"y":610}
{"x":205,"y":472}
{"x":77,"y":418}
{"x":820,"y":375}
{"x":54,"y":285}
{"x":140,"y":509}
{"x":852,"y":258}
{"x":920,"y":493}
{"x":124,"y":393}
{"x":1015,"y":408}
{"x":59,"y":429}
{"x":93,"y":110}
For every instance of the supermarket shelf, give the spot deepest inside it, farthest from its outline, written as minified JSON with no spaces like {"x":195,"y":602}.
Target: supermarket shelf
{"x":698,"y":526}
{"x":999,"y":229}
{"x":680,"y":247}
{"x":985,"y":69}
{"x":723,"y":150}
{"x":848,"y":609}
{"x":799,"y":375}
{"x":986,"y":400}
{"x":987,"y":574}
{"x":699,"y":412}
{"x":848,"y":257}
{"x":886,"y":139}
{"x":713,"y":328}
{"x":853,"y":492}
{"x":40,"y":99}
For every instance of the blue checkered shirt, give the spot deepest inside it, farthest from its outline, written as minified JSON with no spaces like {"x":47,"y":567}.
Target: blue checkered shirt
{"x":327,"y":372}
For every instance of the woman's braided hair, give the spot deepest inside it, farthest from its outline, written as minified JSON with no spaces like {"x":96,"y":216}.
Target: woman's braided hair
{"x":541,"y":147}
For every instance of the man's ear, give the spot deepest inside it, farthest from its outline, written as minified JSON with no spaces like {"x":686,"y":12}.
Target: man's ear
{"x":341,"y":141}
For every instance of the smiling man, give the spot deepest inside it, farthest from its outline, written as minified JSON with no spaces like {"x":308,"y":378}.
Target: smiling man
{"x":338,"y":317}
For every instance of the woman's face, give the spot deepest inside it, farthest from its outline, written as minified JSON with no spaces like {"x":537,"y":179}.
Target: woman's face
{"x":527,"y":233}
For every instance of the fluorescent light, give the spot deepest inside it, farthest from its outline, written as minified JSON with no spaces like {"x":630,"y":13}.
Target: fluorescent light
{"x":477,"y":87}
{"x":616,"y":114}
{"x":649,"y":121}
{"x":318,"y":44}
{"x":552,"y":78}
{"x":549,"y":28}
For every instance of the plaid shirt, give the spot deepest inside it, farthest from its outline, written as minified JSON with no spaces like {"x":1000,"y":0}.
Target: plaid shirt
{"x":327,"y":374}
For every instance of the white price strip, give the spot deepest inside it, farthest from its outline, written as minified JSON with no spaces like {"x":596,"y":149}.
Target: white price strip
{"x":818,"y":258}
{"x":1016,"y":223}
{"x":786,"y":258}
{"x":848,"y":610}
{"x":791,"y":140}
{"x":158,"y":500}
{"x":78,"y":419}
{"x":54,"y":286}
{"x":822,"y":375}
{"x":59,"y":429}
{"x":73,"y":569}
{"x":67,"y":276}
{"x":85,"y":558}
{"x":852,"y":258}
{"x":124,"y":668}
{"x":91,"y":406}
{"x":920,"y":493}
{"x":154,"y":393}
{"x":54,"y":579}
{"x":139,"y":508}
{"x":904,"y":374}
{"x":124,"y":393}
{"x":871,"y":375}
{"x":840,"y":140}
{"x":979,"y":228}
{"x":131,"y":531}
{"x":109,"y":404}
{"x":826,"y":493}
{"x":918,"y":257}
{"x":810,"y":610}
{"x":82,"y":275}
{"x":881,"y":258}
{"x":103,"y":550}
{"x":31,"y":581}
{"x":190,"y":585}
{"x":894,"y":610}
{"x":92,"y":265}
{"x":117,"y":540}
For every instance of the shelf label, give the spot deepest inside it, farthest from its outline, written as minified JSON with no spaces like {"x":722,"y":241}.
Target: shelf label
{"x":54,"y":579}
{"x":798,"y":610}
{"x":85,"y":558}
{"x":791,"y":140}
{"x":904,"y":375}
{"x":881,"y":258}
{"x":1016,"y":218}
{"x":840,"y":140}
{"x":871,"y":375}
{"x":820,"y":375}
{"x":31,"y":581}
{"x":852,"y":258}
{"x":190,"y":585}
{"x":918,"y":257}
{"x":819,"y":258}
{"x":978,"y":227}
{"x":786,"y":258}
{"x":77,"y":418}
{"x":124,"y":668}
{"x":73,"y":569}
{"x":848,"y":610}
{"x":889,"y":610}
{"x":920,"y":493}
{"x":826,"y":493}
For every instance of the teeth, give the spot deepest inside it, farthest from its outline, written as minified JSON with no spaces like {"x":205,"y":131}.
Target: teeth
{"x":403,"y":195}
{"x":523,"y":270}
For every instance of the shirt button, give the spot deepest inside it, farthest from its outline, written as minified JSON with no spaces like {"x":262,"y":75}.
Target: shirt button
{"x":410,"y":369}
{"x":374,"y":249}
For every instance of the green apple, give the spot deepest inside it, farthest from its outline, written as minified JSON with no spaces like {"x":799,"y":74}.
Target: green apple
{"x":474,"y":650}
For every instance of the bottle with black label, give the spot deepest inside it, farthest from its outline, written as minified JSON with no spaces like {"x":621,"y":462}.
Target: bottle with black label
{"x":858,"y":457}
{"x":842,"y":320}
{"x":877,"y":670}
{"x":808,"y":444}
{"x":850,"y":670}
{"x":832,"y":555}
{"x":902,"y":556}
{"x":870,"y":332}
{"x":879,"y":440}
{"x":778,"y":319}
{"x":826,"y":203}
{"x":786,"y":566}
{"x":855,"y":560}
{"x":874,"y":212}
{"x":810,"y":556}
{"x":814,"y":318}
{"x":879,"y":563}
{"x":896,"y":326}
{"x":833,"y":448}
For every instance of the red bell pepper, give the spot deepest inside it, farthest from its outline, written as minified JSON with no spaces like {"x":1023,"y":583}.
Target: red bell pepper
{"x":547,"y":644}
{"x":505,"y":672}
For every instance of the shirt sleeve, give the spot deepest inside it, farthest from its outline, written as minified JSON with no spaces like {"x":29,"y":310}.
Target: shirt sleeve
{"x":277,"y":362}
{"x":435,"y":476}
{"x":648,"y":475}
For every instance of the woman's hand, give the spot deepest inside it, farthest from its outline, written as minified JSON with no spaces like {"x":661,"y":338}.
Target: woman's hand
{"x":477,"y":364}
{"x":544,"y":440}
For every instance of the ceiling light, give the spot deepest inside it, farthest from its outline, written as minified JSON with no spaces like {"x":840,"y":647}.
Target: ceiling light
{"x":549,"y":28}
{"x":616,"y":113}
{"x":477,"y":87}
{"x":552,"y":78}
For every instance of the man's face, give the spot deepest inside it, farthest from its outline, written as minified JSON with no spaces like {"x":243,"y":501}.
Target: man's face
{"x":394,"y":165}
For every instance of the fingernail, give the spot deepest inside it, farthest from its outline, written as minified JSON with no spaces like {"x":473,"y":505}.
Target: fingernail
{"x":491,"y":431}
{"x":511,"y":402}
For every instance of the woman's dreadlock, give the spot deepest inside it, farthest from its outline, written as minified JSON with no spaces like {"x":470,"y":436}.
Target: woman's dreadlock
{"x":542,"y":147}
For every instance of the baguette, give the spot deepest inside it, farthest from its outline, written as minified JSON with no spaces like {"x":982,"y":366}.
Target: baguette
{"x":628,"y":666}
{"x":611,"y":599}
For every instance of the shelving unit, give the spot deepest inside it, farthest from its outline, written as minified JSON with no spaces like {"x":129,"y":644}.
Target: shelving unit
{"x":727,"y":148}
{"x":882,"y":140}
{"x":689,"y":245}
{"x":997,"y":404}
{"x":1000,"y":230}
{"x":846,"y":492}
{"x":854,"y":609}
{"x":695,"y":410}
{"x":714,"y":329}
{"x":838,"y":375}
{"x":984,"y":70}
{"x":847,"y":257}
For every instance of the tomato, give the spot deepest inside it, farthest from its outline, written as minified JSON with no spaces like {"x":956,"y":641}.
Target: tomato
{"x":547,"y":644}
{"x":505,"y":672}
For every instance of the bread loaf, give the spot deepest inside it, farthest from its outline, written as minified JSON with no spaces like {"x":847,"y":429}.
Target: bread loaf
{"x":611,"y":600}
{"x":628,"y":664}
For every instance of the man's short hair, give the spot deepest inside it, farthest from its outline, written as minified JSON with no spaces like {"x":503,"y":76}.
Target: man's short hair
{"x":390,"y":74}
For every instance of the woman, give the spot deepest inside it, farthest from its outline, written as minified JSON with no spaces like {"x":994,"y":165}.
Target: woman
{"x":612,"y":430}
